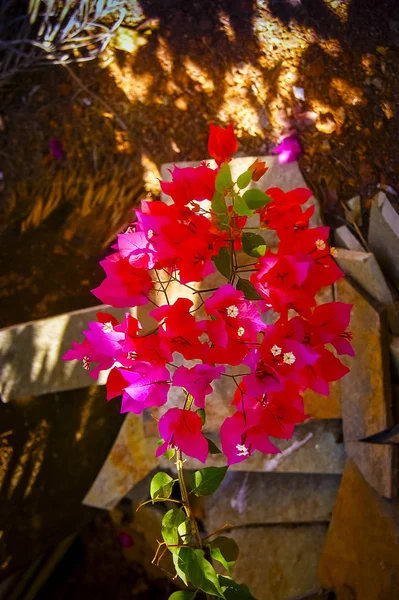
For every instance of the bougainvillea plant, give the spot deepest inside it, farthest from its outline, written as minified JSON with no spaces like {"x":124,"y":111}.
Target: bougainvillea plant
{"x":260,"y":327}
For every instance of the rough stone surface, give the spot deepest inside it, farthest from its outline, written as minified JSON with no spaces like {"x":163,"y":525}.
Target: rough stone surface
{"x":383,"y":237}
{"x":279,"y":562}
{"x":316,"y":447}
{"x":258,"y":498}
{"x":379,"y":465}
{"x":30,"y":354}
{"x":364,"y":269}
{"x":361,"y":552}
{"x":366,"y":398}
{"x":344,"y":238}
{"x":126,"y":464}
{"x":51,"y":449}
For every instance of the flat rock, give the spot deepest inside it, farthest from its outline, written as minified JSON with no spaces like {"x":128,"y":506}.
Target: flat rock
{"x":127,"y":463}
{"x":383,"y":236}
{"x":379,"y":464}
{"x":256,"y":498}
{"x":316,"y":447}
{"x":367,"y":395}
{"x":363,"y":268}
{"x":30,"y":353}
{"x":361,"y":552}
{"x":279,"y":561}
{"x":344,"y":238}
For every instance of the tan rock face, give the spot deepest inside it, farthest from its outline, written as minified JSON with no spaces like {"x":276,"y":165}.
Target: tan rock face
{"x":361,"y":552}
{"x":279,"y":562}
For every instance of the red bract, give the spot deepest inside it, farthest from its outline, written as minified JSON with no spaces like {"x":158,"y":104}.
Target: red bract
{"x":215,"y":324}
{"x":222,"y":143}
{"x":182,"y":429}
{"x":190,"y":183}
{"x":125,"y":285}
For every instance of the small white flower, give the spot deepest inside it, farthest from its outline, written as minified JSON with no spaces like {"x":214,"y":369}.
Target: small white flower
{"x":232,"y":311}
{"x":333,"y":251}
{"x":150,"y":234}
{"x":86,"y":363}
{"x":131,"y":355}
{"x":240,"y":331}
{"x":289,"y":358}
{"x":242,"y":450}
{"x":275,"y":350}
{"x":320,"y":244}
{"x":108,"y":327}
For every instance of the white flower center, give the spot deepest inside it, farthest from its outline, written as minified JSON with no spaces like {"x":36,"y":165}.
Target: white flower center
{"x":232,"y":311}
{"x":275,"y":350}
{"x":86,"y":363}
{"x":242,"y":450}
{"x":333,"y":251}
{"x":150,"y":234}
{"x":240,"y":331}
{"x":320,"y":244}
{"x":108,"y":327}
{"x":131,"y":355}
{"x":289,"y":358}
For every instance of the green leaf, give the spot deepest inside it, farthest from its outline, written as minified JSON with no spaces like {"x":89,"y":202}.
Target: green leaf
{"x":233,"y":590}
{"x":219,"y":203}
{"x":169,"y":453}
{"x":253,"y":244}
{"x":219,"y":207}
{"x":199,"y":571}
{"x":223,"y":262}
{"x":180,"y":573}
{"x":207,"y":480}
{"x":183,"y":595}
{"x":212,"y":448}
{"x":256,"y":198}
{"x":161,"y":486}
{"x":170,"y":524}
{"x":244,"y":179}
{"x":225,"y":551}
{"x":201,"y":413}
{"x":248,"y":289}
{"x":241,"y":207}
{"x":223,"y":178}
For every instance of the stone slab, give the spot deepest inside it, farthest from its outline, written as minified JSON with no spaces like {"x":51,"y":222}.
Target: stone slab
{"x":127,"y":463}
{"x":316,"y":447}
{"x":30,"y":353}
{"x":344,"y":238}
{"x":366,"y":390}
{"x":379,"y":465}
{"x":383,"y":236}
{"x":361,"y":552}
{"x":246,"y":498}
{"x":279,"y":561}
{"x":363,"y":268}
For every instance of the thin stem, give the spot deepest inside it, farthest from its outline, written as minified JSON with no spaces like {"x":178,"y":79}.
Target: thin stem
{"x":185,"y":498}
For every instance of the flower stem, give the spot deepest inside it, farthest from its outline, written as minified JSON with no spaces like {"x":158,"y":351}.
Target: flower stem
{"x":185,"y":499}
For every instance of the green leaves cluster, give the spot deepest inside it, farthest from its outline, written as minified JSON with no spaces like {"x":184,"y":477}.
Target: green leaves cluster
{"x":193,"y":565}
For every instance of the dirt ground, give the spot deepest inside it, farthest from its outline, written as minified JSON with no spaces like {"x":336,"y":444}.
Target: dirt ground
{"x":114,"y":122}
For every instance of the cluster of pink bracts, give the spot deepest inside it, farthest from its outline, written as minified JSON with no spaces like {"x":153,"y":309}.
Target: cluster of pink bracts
{"x":176,"y":243}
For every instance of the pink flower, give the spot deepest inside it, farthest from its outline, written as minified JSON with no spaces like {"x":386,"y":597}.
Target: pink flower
{"x":147,"y":385}
{"x":190,"y":183}
{"x":197,"y":381}
{"x":242,"y":433}
{"x":182,"y":429}
{"x":222,"y":143}
{"x":289,"y":150}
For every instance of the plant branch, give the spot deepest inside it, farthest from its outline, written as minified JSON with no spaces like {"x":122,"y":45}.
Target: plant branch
{"x":185,"y":498}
